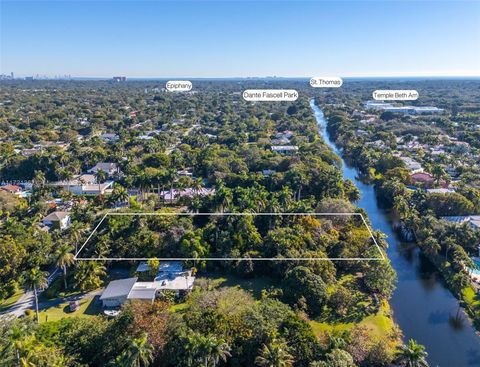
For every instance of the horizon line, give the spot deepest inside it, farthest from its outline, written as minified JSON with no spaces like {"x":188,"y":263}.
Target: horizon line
{"x":273,"y":77}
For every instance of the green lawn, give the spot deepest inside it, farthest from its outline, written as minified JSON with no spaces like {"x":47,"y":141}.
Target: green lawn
{"x":472,"y":299}
{"x":88,"y":306}
{"x":7,"y":303}
{"x":251,"y":285}
{"x":473,"y":302}
{"x":381,"y":324}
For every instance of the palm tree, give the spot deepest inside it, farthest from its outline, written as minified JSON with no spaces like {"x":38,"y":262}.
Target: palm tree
{"x":172,"y":177}
{"x":285,"y":198}
{"x":223,"y":197}
{"x":88,"y":274}
{"x":101,"y":176}
{"x":186,"y":275}
{"x":219,"y":350}
{"x":449,"y":243}
{"x":63,"y":259}
{"x":431,"y":246}
{"x":195,"y":204}
{"x":76,"y":231}
{"x":273,"y":206}
{"x":36,"y":279}
{"x":120,"y":194}
{"x":400,"y":205}
{"x":192,"y":347}
{"x":275,"y":354}
{"x":62,"y":158}
{"x":39,"y":180}
{"x":412,"y":355}
{"x":197,"y":185}
{"x":139,"y":353}
{"x":297,"y":177}
{"x":459,"y":282}
{"x":438,"y":172}
{"x":209,"y":349}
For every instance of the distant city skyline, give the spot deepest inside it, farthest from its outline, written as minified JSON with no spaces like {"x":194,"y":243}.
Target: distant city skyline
{"x":147,"y":39}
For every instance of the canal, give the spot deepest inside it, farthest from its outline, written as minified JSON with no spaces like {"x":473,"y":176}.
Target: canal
{"x":423,"y":307}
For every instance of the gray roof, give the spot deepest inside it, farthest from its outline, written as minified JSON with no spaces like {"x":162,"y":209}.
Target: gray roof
{"x":474,"y":220}
{"x":104,"y":166}
{"x":56,"y":216}
{"x":118,"y":288}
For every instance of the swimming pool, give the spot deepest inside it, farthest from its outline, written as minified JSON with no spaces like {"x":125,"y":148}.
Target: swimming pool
{"x":476,"y":271}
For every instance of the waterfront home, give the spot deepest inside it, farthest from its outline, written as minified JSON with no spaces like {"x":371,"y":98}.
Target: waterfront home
{"x":171,"y":276}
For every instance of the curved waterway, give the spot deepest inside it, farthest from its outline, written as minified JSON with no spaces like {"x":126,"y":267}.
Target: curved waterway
{"x":423,"y":307}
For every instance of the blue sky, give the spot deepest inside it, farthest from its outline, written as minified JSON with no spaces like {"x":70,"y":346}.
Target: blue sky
{"x":227,"y":39}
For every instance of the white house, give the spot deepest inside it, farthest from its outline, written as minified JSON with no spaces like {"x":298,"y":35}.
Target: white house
{"x":109,"y":168}
{"x":171,"y":276}
{"x":285,"y":149}
{"x":57,"y":219}
{"x":84,"y":184}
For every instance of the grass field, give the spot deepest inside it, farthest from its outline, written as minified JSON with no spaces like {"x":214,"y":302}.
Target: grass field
{"x":251,"y":285}
{"x":473,"y":302}
{"x":381,"y":324}
{"x":88,"y":306}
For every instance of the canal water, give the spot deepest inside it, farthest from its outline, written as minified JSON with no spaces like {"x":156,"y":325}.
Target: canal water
{"x":423,"y":307}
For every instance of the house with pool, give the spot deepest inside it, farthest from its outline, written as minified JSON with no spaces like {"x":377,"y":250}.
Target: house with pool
{"x":171,"y":276}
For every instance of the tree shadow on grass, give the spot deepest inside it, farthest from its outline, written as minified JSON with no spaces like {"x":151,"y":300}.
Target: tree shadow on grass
{"x":94,"y":307}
